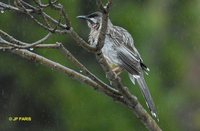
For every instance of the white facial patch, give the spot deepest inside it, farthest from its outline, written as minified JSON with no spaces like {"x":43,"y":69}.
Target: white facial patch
{"x":94,"y":20}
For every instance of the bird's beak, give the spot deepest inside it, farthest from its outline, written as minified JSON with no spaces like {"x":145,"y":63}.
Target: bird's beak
{"x":83,"y":17}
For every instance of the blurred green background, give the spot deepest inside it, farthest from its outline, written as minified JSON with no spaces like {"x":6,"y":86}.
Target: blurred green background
{"x":167,"y":35}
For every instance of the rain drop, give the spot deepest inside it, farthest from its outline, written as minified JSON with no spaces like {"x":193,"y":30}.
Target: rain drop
{"x":31,"y":49}
{"x":80,"y":71}
{"x":2,"y":92}
{"x":2,"y":11}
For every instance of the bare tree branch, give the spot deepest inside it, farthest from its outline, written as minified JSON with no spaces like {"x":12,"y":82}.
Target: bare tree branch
{"x":69,"y":72}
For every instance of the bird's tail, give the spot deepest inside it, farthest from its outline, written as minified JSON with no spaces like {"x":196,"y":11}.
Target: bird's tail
{"x":146,"y":93}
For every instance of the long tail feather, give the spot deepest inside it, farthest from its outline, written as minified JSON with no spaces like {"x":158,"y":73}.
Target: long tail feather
{"x":146,"y":93}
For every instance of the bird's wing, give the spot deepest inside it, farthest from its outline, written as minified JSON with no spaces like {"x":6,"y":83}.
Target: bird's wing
{"x":126,"y":51}
{"x":128,"y":61}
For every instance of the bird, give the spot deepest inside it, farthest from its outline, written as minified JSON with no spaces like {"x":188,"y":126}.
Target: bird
{"x":120,"y":53}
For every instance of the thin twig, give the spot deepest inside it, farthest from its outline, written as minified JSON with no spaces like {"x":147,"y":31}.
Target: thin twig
{"x":55,"y":46}
{"x":27,"y":5}
{"x":37,"y":42}
{"x":40,"y":46}
{"x":41,"y":5}
{"x":11,"y":41}
{"x":8,"y":7}
{"x":67,"y":21}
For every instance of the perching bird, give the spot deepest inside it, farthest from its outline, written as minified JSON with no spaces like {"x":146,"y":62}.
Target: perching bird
{"x":120,"y":53}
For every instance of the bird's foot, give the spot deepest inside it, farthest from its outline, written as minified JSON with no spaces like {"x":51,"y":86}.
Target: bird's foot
{"x":117,"y":70}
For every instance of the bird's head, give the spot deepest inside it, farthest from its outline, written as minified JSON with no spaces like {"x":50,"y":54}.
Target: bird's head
{"x":94,"y":20}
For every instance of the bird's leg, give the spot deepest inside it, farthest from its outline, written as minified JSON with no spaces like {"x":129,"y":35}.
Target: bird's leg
{"x":118,"y":70}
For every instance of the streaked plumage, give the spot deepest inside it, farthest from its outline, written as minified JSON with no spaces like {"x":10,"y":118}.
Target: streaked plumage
{"x":119,"y":50}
